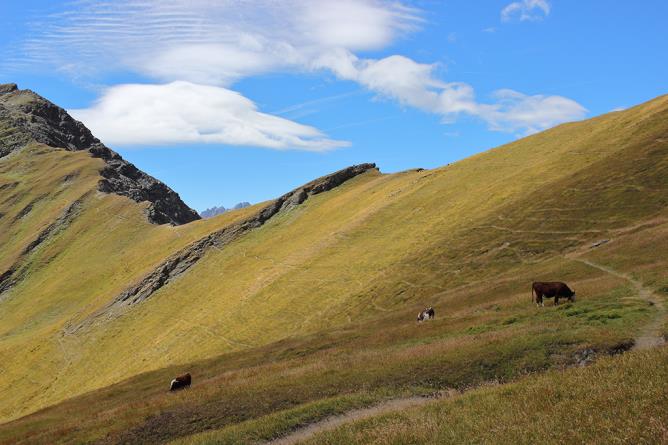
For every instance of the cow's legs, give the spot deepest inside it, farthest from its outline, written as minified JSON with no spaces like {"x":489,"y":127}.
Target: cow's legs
{"x":556,"y":300}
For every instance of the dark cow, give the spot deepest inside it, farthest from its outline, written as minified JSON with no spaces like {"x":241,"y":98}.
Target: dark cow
{"x":551,"y":289}
{"x":426,"y":314}
{"x":182,"y":381}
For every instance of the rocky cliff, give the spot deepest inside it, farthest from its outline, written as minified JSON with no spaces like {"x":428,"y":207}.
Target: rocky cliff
{"x":25,"y":116}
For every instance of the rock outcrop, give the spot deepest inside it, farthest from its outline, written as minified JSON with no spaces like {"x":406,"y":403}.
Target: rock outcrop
{"x":25,"y":116}
{"x":183,"y":260}
{"x":8,"y":87}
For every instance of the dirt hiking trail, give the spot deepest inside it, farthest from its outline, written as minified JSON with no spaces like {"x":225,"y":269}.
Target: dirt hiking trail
{"x":333,"y":422}
{"x":651,"y":334}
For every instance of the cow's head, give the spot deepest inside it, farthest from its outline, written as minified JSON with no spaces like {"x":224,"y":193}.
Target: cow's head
{"x":573,"y":297}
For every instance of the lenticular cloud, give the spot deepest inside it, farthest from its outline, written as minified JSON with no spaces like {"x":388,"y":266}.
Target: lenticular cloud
{"x":184,"y":112}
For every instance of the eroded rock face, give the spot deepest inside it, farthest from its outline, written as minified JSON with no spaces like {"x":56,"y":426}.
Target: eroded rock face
{"x":25,"y":116}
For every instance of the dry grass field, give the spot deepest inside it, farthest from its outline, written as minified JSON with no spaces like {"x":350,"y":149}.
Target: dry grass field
{"x":617,"y":400}
{"x":313,"y":314}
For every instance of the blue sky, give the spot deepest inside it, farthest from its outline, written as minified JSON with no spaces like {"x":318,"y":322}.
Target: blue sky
{"x":234,"y":101}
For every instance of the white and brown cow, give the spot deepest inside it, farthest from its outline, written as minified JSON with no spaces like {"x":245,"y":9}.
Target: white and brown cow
{"x":426,"y":314}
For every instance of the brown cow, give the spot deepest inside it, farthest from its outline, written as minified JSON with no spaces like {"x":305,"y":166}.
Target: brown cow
{"x":182,"y":381}
{"x":550,"y":289}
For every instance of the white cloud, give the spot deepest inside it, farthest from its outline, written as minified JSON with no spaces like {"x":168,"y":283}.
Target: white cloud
{"x":414,"y":84}
{"x":216,"y":42}
{"x":353,"y":24}
{"x":526,"y":10}
{"x":515,"y":111}
{"x":183,"y":112}
{"x":397,"y":77}
{"x":188,"y":44}
{"x":207,"y":43}
{"x":212,"y":63}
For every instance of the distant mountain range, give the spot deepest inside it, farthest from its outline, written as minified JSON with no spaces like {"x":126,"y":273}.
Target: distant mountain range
{"x":213,"y":211}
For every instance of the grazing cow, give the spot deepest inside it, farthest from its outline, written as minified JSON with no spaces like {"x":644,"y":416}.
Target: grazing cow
{"x":553,"y":289}
{"x":182,"y":381}
{"x":426,"y":314}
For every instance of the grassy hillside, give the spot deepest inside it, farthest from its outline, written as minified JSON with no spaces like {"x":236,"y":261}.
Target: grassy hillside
{"x":314,"y":312}
{"x":74,"y":271}
{"x":265,"y":392}
{"x":617,"y":400}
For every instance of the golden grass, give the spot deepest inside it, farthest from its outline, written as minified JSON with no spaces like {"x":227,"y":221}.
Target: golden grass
{"x":618,"y":400}
{"x":293,"y":381}
{"x":344,"y":273}
{"x":109,"y":245}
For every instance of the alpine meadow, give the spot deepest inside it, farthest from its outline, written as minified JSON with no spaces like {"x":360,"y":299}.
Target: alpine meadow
{"x":538,"y":269}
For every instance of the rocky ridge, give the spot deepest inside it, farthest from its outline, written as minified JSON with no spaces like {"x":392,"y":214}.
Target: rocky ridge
{"x":25,"y":116}
{"x":183,"y":260}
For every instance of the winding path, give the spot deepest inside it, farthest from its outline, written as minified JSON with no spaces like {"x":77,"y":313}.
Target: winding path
{"x":333,"y":422}
{"x":652,"y":334}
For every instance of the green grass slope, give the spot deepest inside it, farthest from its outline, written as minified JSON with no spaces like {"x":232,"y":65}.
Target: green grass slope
{"x":314,"y":311}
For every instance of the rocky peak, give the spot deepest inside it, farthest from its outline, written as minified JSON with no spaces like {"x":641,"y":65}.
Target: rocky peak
{"x":27,"y":116}
{"x":8,"y":87}
{"x":44,"y":121}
